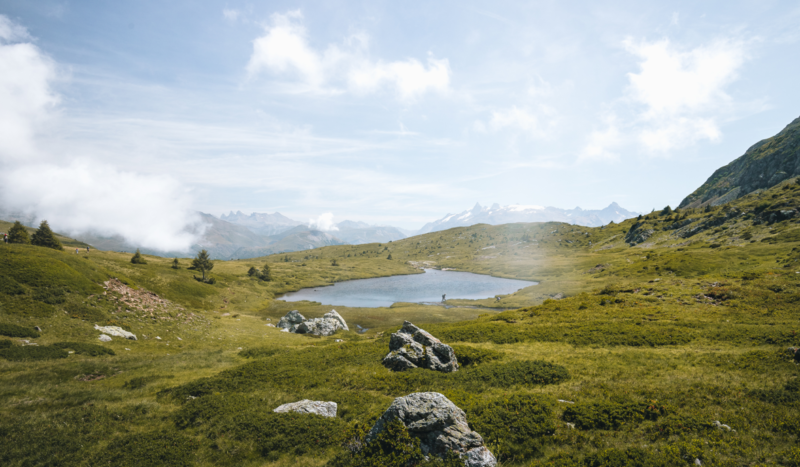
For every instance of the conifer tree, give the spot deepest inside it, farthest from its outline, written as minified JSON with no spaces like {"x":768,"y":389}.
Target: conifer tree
{"x":203,"y":263}
{"x":266,"y":274}
{"x":389,"y":257}
{"x":252,"y":271}
{"x":138,"y":258}
{"x":176,"y":264}
{"x":45,"y":237}
{"x":18,"y":234}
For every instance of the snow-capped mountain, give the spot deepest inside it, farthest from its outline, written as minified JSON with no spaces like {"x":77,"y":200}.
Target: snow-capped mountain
{"x":497,"y":214}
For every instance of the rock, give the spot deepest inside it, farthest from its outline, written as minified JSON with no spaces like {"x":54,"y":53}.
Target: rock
{"x":285,"y":330}
{"x":116,"y":331}
{"x":292,"y":319}
{"x":326,"y":409}
{"x":334,"y":315}
{"x":638,"y":234}
{"x":270,"y":325}
{"x":338,"y":340}
{"x":440,"y":426}
{"x":104,"y":338}
{"x":722,"y":426}
{"x":318,"y":327}
{"x":412,"y":347}
{"x":37,"y":328}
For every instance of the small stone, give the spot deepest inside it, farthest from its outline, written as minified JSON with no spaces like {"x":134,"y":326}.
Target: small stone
{"x":37,"y":328}
{"x":116,"y":331}
{"x":104,"y":338}
{"x":293,"y":318}
{"x":325,"y":409}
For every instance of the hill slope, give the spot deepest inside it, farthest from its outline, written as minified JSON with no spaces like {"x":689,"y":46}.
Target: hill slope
{"x":765,"y":164}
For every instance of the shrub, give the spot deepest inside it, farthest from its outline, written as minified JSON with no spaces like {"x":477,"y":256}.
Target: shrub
{"x":468,"y":356}
{"x":534,"y":372}
{"x":137,"y":258}
{"x":678,"y":425}
{"x":82,"y":311}
{"x":13,"y":330}
{"x":32,"y":352}
{"x":50,"y":295}
{"x":5,"y":343}
{"x":611,"y":415}
{"x":149,"y":449}
{"x":515,"y":426}
{"x":93,"y":350}
{"x":176,"y":264}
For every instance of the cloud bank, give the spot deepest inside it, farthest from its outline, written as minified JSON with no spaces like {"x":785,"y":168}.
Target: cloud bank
{"x":284,"y":50}
{"x":74,"y":195}
{"x":323,"y":222}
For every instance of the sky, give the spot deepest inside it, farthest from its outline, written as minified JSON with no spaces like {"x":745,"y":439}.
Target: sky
{"x":128,"y":117}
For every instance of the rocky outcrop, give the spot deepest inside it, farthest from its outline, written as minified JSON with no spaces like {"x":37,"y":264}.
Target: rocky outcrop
{"x":291,"y":320}
{"x":764,"y":165}
{"x":116,"y":331}
{"x":104,"y":338}
{"x":325,"y":326}
{"x":638,"y":234}
{"x":325,"y":409}
{"x":412,"y":347}
{"x":440,"y":426}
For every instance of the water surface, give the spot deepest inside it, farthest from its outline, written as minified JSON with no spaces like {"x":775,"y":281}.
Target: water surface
{"x":415,"y":288}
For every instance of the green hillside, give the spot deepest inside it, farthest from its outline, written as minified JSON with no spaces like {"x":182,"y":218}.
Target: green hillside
{"x":765,"y":164}
{"x":652,"y":329}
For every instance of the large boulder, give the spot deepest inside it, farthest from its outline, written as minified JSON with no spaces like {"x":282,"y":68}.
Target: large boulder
{"x":412,"y":347}
{"x":291,"y":320}
{"x":326,"y":409}
{"x":440,"y":426}
{"x":116,"y":331}
{"x":325,"y":326}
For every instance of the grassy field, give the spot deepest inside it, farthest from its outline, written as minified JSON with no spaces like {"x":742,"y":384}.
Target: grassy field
{"x":622,"y":355}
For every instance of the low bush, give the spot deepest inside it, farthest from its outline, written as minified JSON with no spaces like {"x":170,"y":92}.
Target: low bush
{"x":468,"y":356}
{"x":93,"y":350}
{"x":50,"y":295}
{"x":13,"y":330}
{"x":79,"y":310}
{"x":532,"y":373}
{"x":611,"y":415}
{"x":5,"y":343}
{"x":788,"y":394}
{"x":149,"y":449}
{"x":515,"y":427}
{"x":32,"y":352}
{"x":672,"y":425}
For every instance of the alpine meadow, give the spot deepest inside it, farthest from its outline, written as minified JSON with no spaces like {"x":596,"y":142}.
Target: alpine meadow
{"x":623,"y":292}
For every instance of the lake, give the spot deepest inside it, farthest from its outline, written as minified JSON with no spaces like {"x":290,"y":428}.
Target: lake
{"x":414,"y":288}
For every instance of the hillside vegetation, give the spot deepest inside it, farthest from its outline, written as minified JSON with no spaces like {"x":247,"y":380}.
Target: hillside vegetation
{"x":639,"y":337}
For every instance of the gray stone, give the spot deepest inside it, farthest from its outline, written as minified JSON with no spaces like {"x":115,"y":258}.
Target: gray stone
{"x":116,"y":331}
{"x":319,"y":327}
{"x":334,"y":315}
{"x":440,"y":426}
{"x":292,"y":318}
{"x":104,"y":338}
{"x":326,"y":409}
{"x":412,"y":347}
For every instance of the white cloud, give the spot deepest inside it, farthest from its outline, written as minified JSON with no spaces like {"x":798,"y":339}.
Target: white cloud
{"x":231,"y":14}
{"x":536,"y":124}
{"x":284,"y":49}
{"x":73,"y":195}
{"x":323,"y":222}
{"x":602,"y":144}
{"x":682,"y":91}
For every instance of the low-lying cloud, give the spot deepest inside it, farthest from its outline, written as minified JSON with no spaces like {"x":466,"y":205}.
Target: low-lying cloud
{"x":323,"y":222}
{"x":74,"y":194}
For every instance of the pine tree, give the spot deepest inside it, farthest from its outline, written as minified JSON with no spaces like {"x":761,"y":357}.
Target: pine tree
{"x":138,"y":258}
{"x":203,"y":263}
{"x":252,"y":271}
{"x":18,"y":234}
{"x":266,"y":274}
{"x":45,"y":237}
{"x":389,"y":257}
{"x":175,"y":264}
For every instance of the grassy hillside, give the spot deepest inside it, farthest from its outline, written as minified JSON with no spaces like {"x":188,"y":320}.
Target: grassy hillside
{"x":66,"y":241}
{"x":649,"y":345}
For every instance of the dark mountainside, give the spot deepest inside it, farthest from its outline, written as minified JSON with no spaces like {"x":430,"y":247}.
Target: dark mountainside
{"x":764,"y":165}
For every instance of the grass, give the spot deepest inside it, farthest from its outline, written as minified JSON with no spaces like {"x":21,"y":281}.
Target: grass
{"x":622,"y":355}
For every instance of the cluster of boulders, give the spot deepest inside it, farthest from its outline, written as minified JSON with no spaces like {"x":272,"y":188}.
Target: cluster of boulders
{"x":412,"y":347}
{"x":429,"y":416}
{"x":325,"y":326}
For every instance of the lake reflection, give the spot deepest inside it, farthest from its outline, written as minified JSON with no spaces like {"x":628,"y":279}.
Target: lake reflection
{"x":415,"y":288}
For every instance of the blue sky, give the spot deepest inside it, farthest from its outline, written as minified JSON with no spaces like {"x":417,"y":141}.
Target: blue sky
{"x":385,"y":112}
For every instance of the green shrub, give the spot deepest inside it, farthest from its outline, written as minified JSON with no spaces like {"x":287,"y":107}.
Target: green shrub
{"x":24,"y":305}
{"x":514,"y":427}
{"x":93,"y":350}
{"x":468,"y":356}
{"x":32,"y":352}
{"x":534,"y":372}
{"x":45,"y":237}
{"x":672,"y":425}
{"x":13,"y":330}
{"x":149,"y":449}
{"x":611,"y":415}
{"x":80,"y":310}
{"x":50,"y":295}
{"x":788,"y":394}
{"x":5,"y":343}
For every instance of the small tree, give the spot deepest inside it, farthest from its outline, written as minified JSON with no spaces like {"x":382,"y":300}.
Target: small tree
{"x":138,"y":258}
{"x":252,"y":271}
{"x":266,"y":274}
{"x":18,"y":234}
{"x":45,"y":237}
{"x":666,"y":211}
{"x":334,"y":262}
{"x":176,"y":264}
{"x":203,"y":263}
{"x":389,"y":257}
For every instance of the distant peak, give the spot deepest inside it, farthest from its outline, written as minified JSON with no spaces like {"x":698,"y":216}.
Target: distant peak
{"x":614,"y":205}
{"x":495,"y":206}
